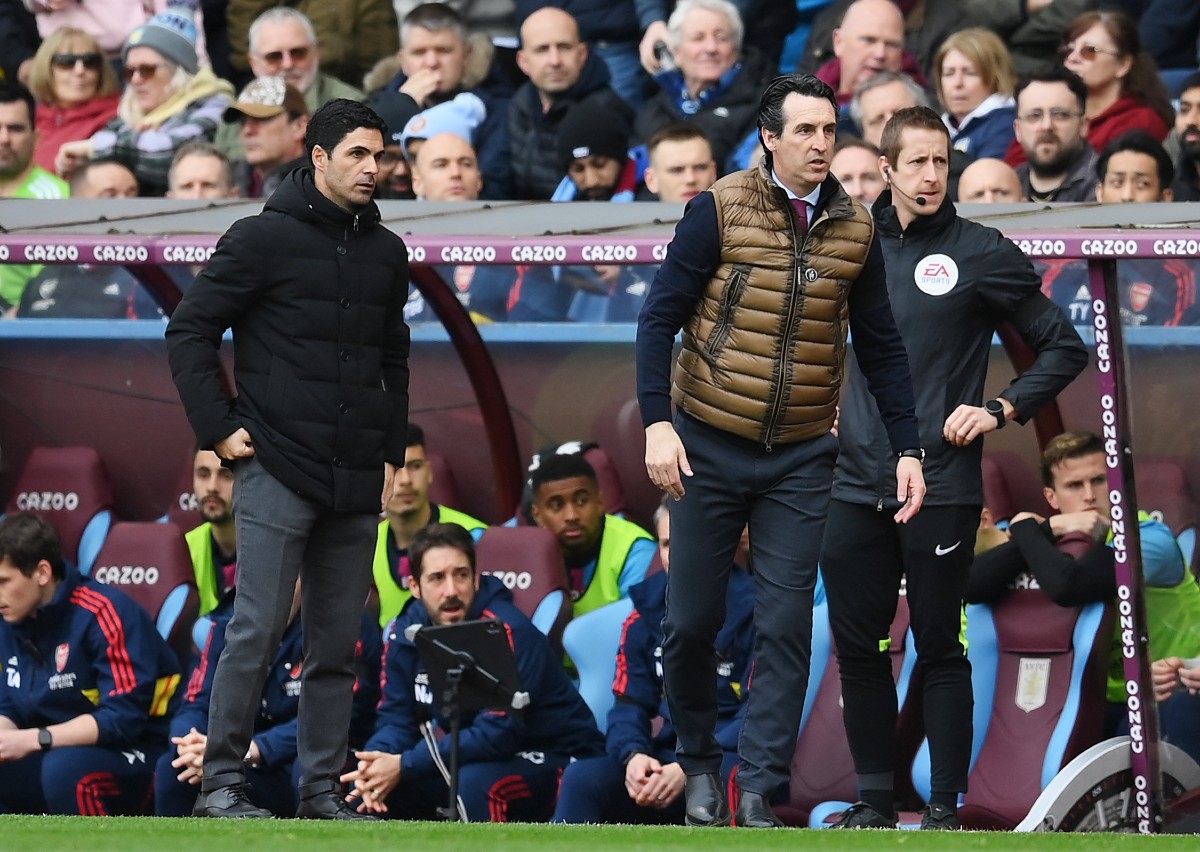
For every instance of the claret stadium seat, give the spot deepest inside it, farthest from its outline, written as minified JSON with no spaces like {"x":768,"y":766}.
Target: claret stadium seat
{"x":529,"y":561}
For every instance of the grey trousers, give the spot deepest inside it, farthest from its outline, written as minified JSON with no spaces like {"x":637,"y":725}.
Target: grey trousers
{"x":283,"y":536}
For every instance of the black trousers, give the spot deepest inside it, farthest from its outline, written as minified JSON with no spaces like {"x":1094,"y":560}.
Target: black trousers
{"x":863,"y":559}
{"x":784,"y":496}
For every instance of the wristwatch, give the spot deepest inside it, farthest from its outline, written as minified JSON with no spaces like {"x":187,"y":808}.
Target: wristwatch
{"x":918,"y":453}
{"x":995,"y":408}
{"x":45,"y":739}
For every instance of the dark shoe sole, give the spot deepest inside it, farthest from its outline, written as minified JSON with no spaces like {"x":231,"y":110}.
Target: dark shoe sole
{"x":720,"y":822}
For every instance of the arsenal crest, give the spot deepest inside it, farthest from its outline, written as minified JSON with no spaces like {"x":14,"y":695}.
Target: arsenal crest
{"x":1139,"y":295}
{"x":60,"y":656}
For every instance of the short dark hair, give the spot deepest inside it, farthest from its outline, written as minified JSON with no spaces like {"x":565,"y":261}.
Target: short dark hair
{"x":26,"y":539}
{"x":676,"y":131}
{"x":848,"y":142}
{"x":770,"y":105}
{"x":1068,"y":445}
{"x":1192,"y":81}
{"x":1057,"y":74}
{"x":434,"y":17}
{"x":80,"y":174}
{"x":415,"y":435}
{"x":917,"y":118}
{"x":555,"y":467}
{"x":11,"y":91}
{"x":438,"y":535}
{"x":335,"y":120}
{"x":1141,"y":142}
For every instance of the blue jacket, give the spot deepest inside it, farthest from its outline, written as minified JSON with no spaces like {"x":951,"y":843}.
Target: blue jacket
{"x":557,"y":720}
{"x":638,"y":685}
{"x":91,"y":650}
{"x":275,"y":721}
{"x":986,"y":135}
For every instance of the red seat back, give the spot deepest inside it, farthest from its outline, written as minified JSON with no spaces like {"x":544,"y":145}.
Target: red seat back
{"x":184,"y":510}
{"x":529,"y":561}
{"x":444,"y":489}
{"x":610,"y":483}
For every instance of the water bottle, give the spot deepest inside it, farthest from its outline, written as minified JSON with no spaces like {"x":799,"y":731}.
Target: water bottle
{"x":666,"y":61}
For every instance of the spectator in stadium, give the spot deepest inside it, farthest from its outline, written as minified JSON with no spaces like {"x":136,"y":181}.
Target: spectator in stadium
{"x":395,"y":173}
{"x":606,"y":555}
{"x":877,"y":99}
{"x":408,"y":511}
{"x":715,"y":85}
{"x":347,"y":37}
{"x":712,"y":460}
{"x":200,"y":170}
{"x":315,"y":452}
{"x":103,"y":179}
{"x":1075,"y":484}
{"x":76,"y":88}
{"x":1170,"y":29}
{"x":170,"y":100}
{"x":509,"y":762}
{"x":1060,"y":164}
{"x":271,"y":765}
{"x":19,"y":42}
{"x":490,"y":19}
{"x":865,"y":553}
{"x":435,"y":63}
{"x":855,"y":164}
{"x":283,"y":43}
{"x":681,"y":163}
{"x":66,"y":638}
{"x":1186,"y":186}
{"x":1032,"y":31}
{"x":20,"y":177}
{"x":639,"y":779}
{"x":1124,"y":90}
{"x":446,"y":169}
{"x":973,"y":74}
{"x":1133,"y":168}
{"x":461,"y":115}
{"x":273,"y":118}
{"x":563,"y":72}
{"x":109,"y":22}
{"x":989,"y":181}
{"x":213,"y":544}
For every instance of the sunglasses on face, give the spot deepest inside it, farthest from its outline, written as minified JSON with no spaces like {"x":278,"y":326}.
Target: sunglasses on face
{"x":1086,"y":51}
{"x":146,"y":72}
{"x":296,"y":54}
{"x":91,"y":61}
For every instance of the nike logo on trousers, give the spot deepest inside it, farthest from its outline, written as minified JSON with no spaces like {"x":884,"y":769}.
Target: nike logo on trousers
{"x":938,"y":550}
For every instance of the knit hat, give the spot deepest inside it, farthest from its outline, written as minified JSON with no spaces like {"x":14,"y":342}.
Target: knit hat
{"x":266,"y":97}
{"x":395,"y":112}
{"x":171,"y":33}
{"x":460,"y":116}
{"x":589,"y":131}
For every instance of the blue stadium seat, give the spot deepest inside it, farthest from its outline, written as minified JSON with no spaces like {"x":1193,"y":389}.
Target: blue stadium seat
{"x":592,"y":641}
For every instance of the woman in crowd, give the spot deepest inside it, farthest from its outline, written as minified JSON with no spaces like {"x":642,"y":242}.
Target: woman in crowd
{"x":170,"y":100}
{"x":76,"y":90}
{"x":974,"y":76}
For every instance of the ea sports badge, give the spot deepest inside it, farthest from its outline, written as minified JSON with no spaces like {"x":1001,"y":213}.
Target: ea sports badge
{"x":936,"y":274}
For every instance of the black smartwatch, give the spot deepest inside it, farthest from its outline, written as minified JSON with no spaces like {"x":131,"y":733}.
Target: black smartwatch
{"x":917,"y":453}
{"x":995,"y":408}
{"x":45,"y":739}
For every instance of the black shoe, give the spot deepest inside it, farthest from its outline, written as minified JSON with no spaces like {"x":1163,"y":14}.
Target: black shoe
{"x":939,"y":818}
{"x":229,"y":802}
{"x":706,"y":805}
{"x":330,"y":805}
{"x":862,"y":815}
{"x":753,"y":811}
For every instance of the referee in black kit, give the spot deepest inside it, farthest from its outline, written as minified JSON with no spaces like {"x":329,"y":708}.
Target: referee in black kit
{"x":767,"y":271}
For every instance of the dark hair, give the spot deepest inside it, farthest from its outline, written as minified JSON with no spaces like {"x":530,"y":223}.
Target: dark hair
{"x":1142,"y":83}
{"x":1140,"y":142}
{"x":434,"y":17}
{"x":439,"y":535}
{"x":770,"y":105}
{"x":11,"y":91}
{"x":1056,"y":74}
{"x":416,"y":435}
{"x":1192,"y":81}
{"x":847,"y":142}
{"x":81,"y":173}
{"x":676,"y":131}
{"x":555,"y":467}
{"x":203,"y":148}
{"x":25,"y":540}
{"x":917,"y":118}
{"x":337,"y":119}
{"x":1068,"y":445}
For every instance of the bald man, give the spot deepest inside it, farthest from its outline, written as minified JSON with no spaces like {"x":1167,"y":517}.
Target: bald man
{"x":989,"y":181}
{"x":445,"y":168}
{"x":869,"y":40}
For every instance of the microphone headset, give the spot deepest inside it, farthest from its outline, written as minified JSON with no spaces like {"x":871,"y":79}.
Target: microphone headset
{"x":917,"y":199}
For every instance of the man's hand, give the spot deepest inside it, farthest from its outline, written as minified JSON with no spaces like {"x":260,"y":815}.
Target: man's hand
{"x":1164,"y":674}
{"x":236,"y":446}
{"x":650,"y":783}
{"x":968,"y":422}
{"x":656,"y":32}
{"x":17,"y":743}
{"x":389,"y":484}
{"x":374,"y":779}
{"x":70,"y":156}
{"x":910,"y":488}
{"x":1189,"y":675}
{"x":1088,"y":522}
{"x":421,"y":85}
{"x":665,"y":458}
{"x":190,"y":760}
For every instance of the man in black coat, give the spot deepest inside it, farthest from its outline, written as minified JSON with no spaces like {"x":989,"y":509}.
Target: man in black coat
{"x":313,"y":288}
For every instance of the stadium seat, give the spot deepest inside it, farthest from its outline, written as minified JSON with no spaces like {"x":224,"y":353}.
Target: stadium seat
{"x":611,"y":489}
{"x":1162,"y":490}
{"x":1008,"y":483}
{"x":592,"y":642}
{"x":69,"y":487}
{"x":184,"y":510}
{"x":444,"y":489}
{"x":529,"y":561}
{"x":150,"y":562}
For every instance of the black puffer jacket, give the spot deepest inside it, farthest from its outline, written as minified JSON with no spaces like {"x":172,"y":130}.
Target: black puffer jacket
{"x":951,"y":281}
{"x":315,"y":297}
{"x":536,"y":169}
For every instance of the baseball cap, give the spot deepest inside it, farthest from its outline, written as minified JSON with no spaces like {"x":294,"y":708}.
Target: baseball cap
{"x":266,"y":97}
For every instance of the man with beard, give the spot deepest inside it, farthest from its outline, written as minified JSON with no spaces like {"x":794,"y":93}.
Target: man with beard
{"x":1187,"y":126}
{"x":213,"y":544}
{"x":1051,"y":130}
